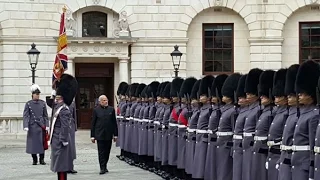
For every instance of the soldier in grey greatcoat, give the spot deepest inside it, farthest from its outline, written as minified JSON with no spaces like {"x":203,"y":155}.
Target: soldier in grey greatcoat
{"x":260,"y":147}
{"x":199,"y":160}
{"x":142,"y":129}
{"x":238,"y":129}
{"x":304,"y":135}
{"x":173,"y":125}
{"x":121,"y":124}
{"x":225,"y":129}
{"x":191,"y":129}
{"x":277,"y":125}
{"x":165,"y":125}
{"x":61,"y":151}
{"x":36,"y":123}
{"x":289,"y":127}
{"x":317,"y":143}
{"x":184,"y":116}
{"x":251,"y":90}
{"x":73,"y":112}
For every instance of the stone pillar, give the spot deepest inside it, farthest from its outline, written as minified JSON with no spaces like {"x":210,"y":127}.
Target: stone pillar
{"x":71,"y":68}
{"x":123,"y":69}
{"x":266,"y":53}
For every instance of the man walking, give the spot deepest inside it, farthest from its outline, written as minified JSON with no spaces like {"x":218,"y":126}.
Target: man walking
{"x":36,"y":123}
{"x":104,"y":129}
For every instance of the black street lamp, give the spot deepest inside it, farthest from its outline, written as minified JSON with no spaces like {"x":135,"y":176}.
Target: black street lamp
{"x":33,"y":54}
{"x":176,"y":59}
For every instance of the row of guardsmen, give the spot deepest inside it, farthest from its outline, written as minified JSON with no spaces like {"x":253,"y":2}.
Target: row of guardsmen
{"x":256,"y":126}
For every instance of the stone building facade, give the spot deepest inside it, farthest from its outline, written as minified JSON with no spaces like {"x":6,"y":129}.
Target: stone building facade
{"x":135,"y":38}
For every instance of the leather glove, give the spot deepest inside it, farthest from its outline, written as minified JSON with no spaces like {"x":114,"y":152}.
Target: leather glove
{"x":26,"y":129}
{"x":267,"y":164}
{"x":47,"y":128}
{"x":65,"y":143}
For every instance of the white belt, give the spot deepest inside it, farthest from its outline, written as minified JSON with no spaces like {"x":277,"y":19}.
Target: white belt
{"x":301,"y":148}
{"x":130,"y":118}
{"x":272,"y":143}
{"x":119,"y":117}
{"x":210,"y":131}
{"x":191,"y":130}
{"x":173,"y":124}
{"x":316,"y":149}
{"x":145,"y":120}
{"x":285,"y":148}
{"x":200,"y":131}
{"x":237,"y":137}
{"x":156,"y":122}
{"x":224,"y":133}
{"x":248,"y":134}
{"x":260,"y":138}
{"x":182,"y":126}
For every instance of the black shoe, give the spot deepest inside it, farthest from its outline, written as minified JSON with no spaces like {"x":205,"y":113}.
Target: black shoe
{"x":104,"y":171}
{"x":42,"y":162}
{"x":118,"y":156}
{"x":72,"y":172}
{"x":34,"y":163}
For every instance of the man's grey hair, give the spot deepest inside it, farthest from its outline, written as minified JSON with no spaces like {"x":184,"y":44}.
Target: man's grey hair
{"x":102,"y":96}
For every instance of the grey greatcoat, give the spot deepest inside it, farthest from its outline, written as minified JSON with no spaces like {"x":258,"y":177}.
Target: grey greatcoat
{"x":210,"y":171}
{"x":304,"y":135}
{"x":237,"y":143}
{"x":165,"y":124}
{"x":287,"y":141}
{"x":120,"y":124}
{"x":61,"y":154}
{"x":260,"y":147}
{"x":317,"y":155}
{"x":247,"y":143}
{"x":127,"y":138}
{"x":173,"y":135}
{"x":191,"y":139}
{"x":35,"y":118}
{"x":73,"y":112}
{"x":135,"y":132}
{"x":200,"y":154}
{"x":274,"y":139}
{"x":224,"y":142}
{"x":143,"y":130}
{"x":151,"y":128}
{"x":183,"y":122}
{"x":158,"y":133}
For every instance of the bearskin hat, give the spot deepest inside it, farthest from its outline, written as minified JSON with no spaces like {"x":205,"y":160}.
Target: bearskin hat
{"x":35,"y":89}
{"x":279,"y":82}
{"x":240,"y":88}
{"x":152,"y":89}
{"x":128,"y":90}
{"x":291,"y":79}
{"x":133,"y":88}
{"x":217,"y":85}
{"x":195,"y":89}
{"x":67,"y":88}
{"x":143,"y":93}
{"x":120,"y":87}
{"x":159,"y":89}
{"x":307,"y":78}
{"x":166,"y":91}
{"x":205,"y":85}
{"x":252,"y":81}
{"x":124,"y":90}
{"x":186,"y":86}
{"x":266,"y":83}
{"x":230,"y":85}
{"x":164,"y":84}
{"x":175,"y":86}
{"x":139,"y":89}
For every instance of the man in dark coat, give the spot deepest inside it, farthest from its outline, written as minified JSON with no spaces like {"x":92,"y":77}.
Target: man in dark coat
{"x":61,"y":151}
{"x":238,"y":129}
{"x":277,"y":125}
{"x":304,"y":135}
{"x":104,"y":129}
{"x":251,"y":90}
{"x":289,"y":127}
{"x":36,"y":123}
{"x":260,"y":147}
{"x":202,"y":127}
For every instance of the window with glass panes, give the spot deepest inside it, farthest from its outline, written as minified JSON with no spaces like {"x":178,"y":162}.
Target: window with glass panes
{"x":94,"y":24}
{"x":309,"y":41}
{"x":217,"y":48}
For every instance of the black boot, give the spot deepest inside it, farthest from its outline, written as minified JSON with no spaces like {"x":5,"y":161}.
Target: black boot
{"x":35,"y":159}
{"x":41,"y":159}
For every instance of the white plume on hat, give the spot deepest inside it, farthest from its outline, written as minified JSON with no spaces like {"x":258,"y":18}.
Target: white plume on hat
{"x":34,"y":87}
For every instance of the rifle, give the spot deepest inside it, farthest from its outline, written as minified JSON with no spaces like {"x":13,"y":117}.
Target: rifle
{"x":189,"y":106}
{"x":260,"y":110}
{"x":116,"y":99}
{"x":219,"y":101}
{"x":270,"y":118}
{"x":318,"y":98}
{"x":236,"y":107}
{"x":298,"y":105}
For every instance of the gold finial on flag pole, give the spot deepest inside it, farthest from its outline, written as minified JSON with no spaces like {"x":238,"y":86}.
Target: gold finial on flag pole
{"x":64,"y":9}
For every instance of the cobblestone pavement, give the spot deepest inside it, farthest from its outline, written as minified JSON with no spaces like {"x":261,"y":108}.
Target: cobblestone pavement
{"x":15,"y":164}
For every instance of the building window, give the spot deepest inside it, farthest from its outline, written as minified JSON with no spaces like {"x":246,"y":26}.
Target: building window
{"x":309,"y":41}
{"x":94,"y":24}
{"x":217,"y":54}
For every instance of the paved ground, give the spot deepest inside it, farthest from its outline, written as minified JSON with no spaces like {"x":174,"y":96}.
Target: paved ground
{"x":15,"y":164}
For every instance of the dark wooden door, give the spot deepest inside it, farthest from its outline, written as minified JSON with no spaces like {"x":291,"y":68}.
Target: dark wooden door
{"x":91,"y":85}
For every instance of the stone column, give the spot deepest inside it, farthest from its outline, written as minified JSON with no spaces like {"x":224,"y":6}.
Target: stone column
{"x":266,"y":53}
{"x":123,"y":69}
{"x":71,"y":68}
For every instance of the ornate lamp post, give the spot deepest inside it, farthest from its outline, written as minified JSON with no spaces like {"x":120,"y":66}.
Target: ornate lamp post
{"x":176,"y":59}
{"x":33,"y":55}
